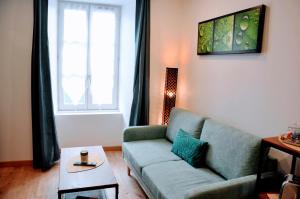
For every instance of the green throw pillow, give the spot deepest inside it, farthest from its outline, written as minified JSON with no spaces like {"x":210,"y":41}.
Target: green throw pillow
{"x":190,"y":149}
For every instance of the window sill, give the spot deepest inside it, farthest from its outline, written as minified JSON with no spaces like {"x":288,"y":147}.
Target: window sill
{"x":104,"y":112}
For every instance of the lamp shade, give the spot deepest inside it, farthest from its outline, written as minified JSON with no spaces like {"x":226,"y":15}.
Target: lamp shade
{"x":169,"y":93}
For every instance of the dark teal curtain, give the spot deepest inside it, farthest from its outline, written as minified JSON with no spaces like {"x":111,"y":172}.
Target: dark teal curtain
{"x":140,"y":103}
{"x":44,"y":140}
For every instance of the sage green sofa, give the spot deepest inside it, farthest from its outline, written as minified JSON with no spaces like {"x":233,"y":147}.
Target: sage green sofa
{"x":230,"y":162}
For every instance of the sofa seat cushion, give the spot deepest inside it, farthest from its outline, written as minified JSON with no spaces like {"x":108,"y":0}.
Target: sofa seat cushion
{"x":147,"y":152}
{"x":172,"y":179}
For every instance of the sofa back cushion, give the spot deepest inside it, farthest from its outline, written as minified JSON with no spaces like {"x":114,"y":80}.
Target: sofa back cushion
{"x":231,"y":152}
{"x":186,"y":120}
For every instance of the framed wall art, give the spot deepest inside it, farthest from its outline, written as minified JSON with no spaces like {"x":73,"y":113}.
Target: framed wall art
{"x":239,"y":32}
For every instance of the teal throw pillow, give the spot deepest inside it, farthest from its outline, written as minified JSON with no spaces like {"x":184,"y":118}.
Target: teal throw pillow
{"x":190,"y":149}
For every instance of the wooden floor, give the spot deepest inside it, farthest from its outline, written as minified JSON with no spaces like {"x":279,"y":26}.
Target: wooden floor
{"x":27,"y":183}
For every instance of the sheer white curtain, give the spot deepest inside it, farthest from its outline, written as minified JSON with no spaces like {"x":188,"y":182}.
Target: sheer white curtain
{"x":72,"y":53}
{"x":88,"y":55}
{"x":103,"y":48}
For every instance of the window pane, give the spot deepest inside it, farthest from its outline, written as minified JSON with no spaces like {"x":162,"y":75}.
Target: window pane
{"x":74,"y":90}
{"x":87,"y":52}
{"x":75,"y":25}
{"x":74,"y":56}
{"x":102,"y":55}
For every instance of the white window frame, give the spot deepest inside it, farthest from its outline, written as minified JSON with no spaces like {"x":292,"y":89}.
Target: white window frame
{"x":88,"y":106}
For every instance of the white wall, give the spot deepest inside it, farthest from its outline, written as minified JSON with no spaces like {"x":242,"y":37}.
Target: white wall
{"x":52,"y":37}
{"x":90,"y":129}
{"x":127,"y":59}
{"x":258,"y":93}
{"x":15,"y":65}
{"x":164,"y":43}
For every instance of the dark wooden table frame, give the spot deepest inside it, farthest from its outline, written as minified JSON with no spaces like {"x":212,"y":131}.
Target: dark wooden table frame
{"x":116,"y":186}
{"x":273,"y":142}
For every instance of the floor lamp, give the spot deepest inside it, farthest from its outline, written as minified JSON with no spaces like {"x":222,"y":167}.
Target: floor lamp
{"x":169,"y":93}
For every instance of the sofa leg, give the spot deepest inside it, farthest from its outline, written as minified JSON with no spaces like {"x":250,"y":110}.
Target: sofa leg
{"x":128,"y":171}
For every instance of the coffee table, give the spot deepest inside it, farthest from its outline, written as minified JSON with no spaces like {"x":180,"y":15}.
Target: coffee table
{"x":101,"y":177}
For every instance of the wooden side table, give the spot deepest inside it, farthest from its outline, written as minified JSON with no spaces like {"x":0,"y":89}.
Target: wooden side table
{"x":273,"y":142}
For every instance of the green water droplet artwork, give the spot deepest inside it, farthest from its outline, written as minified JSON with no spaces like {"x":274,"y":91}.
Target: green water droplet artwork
{"x":237,"y":32}
{"x":246,"y":22}
{"x":205,"y":37}
{"x":223,"y":34}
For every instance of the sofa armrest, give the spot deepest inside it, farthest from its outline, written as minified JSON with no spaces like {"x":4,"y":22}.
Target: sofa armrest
{"x":241,"y":188}
{"x":144,"y":133}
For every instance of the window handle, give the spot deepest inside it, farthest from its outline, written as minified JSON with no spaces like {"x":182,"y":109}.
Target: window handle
{"x":88,"y":81}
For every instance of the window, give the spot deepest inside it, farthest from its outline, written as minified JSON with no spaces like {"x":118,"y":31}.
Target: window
{"x":88,"y":49}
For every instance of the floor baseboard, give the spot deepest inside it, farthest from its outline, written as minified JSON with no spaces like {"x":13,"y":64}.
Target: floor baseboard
{"x":112,"y":148}
{"x":16,"y":163}
{"x":29,"y":162}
